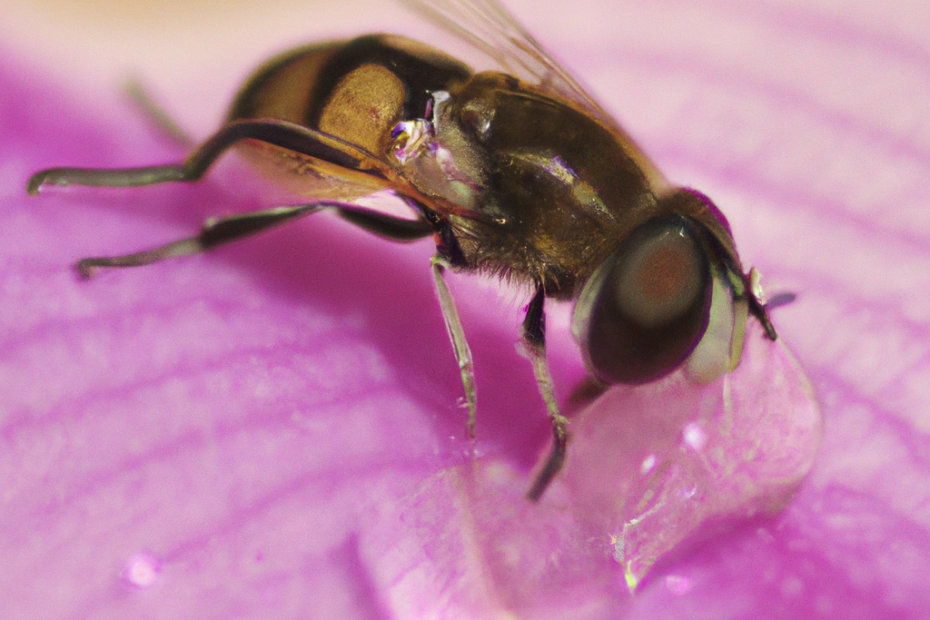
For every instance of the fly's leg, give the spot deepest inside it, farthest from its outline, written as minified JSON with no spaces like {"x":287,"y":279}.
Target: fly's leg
{"x":757,"y":303}
{"x":284,"y":134}
{"x":457,"y":335}
{"x":760,"y":311}
{"x":156,"y":114}
{"x":214,"y":232}
{"x":534,"y":339}
{"x":217,"y":232}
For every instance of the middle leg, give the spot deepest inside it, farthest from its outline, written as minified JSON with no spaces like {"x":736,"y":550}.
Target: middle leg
{"x":216,"y":232}
{"x":534,"y":339}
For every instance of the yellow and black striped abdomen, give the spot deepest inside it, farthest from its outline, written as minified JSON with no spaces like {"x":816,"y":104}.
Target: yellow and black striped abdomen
{"x":354,"y":90}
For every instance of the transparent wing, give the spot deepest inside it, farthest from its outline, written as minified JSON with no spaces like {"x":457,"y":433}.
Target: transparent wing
{"x":490,"y":28}
{"x":493,"y":30}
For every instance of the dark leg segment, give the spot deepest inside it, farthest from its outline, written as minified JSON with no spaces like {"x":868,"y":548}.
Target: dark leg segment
{"x":387,"y":226}
{"x":757,"y":306}
{"x":220,"y":231}
{"x":534,"y":337}
{"x":286,"y":135}
{"x":761,"y":313}
{"x":111,"y":177}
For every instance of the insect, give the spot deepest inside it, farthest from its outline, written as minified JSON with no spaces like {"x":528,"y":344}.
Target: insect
{"x":515,"y":173}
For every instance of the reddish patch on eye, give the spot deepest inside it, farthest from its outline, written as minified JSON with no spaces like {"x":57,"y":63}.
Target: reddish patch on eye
{"x":660,"y":280}
{"x":666,"y":272}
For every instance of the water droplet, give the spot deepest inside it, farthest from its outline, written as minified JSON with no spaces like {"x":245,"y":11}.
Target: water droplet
{"x":617,"y":543}
{"x":687,"y":493}
{"x":824,"y":605}
{"x":678,"y":585}
{"x":792,"y":587}
{"x":694,"y":436}
{"x":142,"y":570}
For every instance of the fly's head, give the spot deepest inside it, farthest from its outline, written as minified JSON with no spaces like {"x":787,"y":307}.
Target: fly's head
{"x":671,"y":293}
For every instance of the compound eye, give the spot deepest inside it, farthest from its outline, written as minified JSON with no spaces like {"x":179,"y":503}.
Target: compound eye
{"x":646,"y":308}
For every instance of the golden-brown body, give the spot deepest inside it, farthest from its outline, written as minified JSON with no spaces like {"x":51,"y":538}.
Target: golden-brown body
{"x":532,"y":181}
{"x":550,"y":189}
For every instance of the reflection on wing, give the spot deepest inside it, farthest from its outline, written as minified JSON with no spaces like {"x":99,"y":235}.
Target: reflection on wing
{"x":490,"y":28}
{"x":493,"y":30}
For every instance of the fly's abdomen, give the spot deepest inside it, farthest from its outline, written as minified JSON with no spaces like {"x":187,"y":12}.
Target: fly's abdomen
{"x":356,"y":90}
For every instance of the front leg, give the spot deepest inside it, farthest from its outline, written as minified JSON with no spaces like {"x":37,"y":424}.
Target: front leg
{"x":283,"y":134}
{"x":757,"y":304}
{"x":454,"y":326}
{"x":534,"y":338}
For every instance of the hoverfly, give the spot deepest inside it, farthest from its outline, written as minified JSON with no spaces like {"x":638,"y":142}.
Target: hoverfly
{"x":516,"y":173}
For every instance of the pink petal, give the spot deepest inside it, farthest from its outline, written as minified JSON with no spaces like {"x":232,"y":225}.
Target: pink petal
{"x":271,"y":431}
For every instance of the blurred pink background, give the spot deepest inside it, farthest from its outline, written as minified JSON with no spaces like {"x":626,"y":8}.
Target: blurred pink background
{"x":239,"y":435}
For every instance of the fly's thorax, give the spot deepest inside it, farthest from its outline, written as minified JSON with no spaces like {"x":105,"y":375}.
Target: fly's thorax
{"x":552,"y":186}
{"x":563,"y":181}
